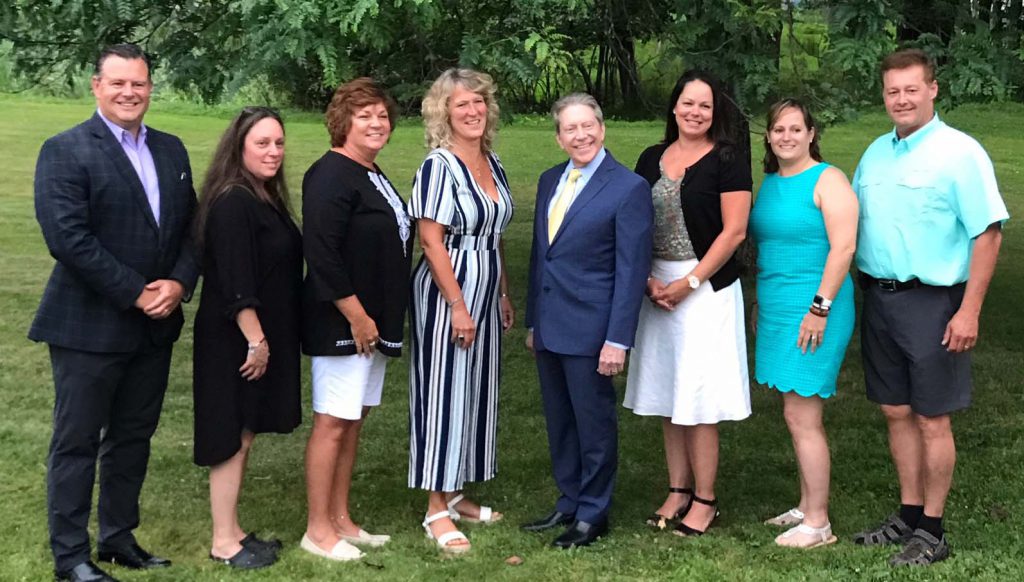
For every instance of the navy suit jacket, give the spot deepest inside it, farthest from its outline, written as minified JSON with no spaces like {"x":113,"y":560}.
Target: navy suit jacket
{"x":98,"y":225}
{"x":585,"y":287}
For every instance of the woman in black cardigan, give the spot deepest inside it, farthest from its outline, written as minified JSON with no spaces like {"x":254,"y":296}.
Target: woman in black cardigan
{"x":357,"y":244}
{"x":689,"y":364}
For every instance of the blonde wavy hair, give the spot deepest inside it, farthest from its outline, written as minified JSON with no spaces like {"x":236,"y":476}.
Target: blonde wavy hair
{"x":436,"y":121}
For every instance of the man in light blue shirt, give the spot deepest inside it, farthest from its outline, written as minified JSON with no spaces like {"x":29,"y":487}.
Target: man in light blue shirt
{"x":929,"y":235}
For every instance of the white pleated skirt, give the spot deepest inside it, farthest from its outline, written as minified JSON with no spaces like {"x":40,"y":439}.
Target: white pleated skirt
{"x":690,"y":364}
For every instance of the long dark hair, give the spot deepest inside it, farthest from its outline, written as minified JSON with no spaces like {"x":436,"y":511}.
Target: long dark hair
{"x":723,"y":125}
{"x":771,"y":161}
{"x":227,"y":170}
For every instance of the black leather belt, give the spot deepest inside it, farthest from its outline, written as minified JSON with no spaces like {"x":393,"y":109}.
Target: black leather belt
{"x":891,"y":285}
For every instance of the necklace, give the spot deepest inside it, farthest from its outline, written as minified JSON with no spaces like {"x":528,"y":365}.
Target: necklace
{"x":477,"y":165}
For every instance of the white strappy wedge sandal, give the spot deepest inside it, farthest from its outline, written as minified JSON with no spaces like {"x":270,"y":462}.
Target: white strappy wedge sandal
{"x":487,"y":515}
{"x":444,"y":539}
{"x":806,"y":537}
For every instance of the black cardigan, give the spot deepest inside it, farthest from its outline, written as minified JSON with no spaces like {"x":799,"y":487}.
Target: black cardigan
{"x":352,"y":246}
{"x":700,"y":195}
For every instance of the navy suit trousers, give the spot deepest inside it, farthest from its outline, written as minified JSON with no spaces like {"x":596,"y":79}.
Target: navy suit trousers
{"x":580,"y":407}
{"x":107,"y":406}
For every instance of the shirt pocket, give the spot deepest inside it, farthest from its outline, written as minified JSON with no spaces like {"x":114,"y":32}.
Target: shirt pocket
{"x":922,"y":191}
{"x":870,"y":195}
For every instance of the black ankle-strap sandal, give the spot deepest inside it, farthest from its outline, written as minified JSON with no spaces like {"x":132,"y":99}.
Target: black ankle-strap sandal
{"x":660,"y":522}
{"x":684,"y":530}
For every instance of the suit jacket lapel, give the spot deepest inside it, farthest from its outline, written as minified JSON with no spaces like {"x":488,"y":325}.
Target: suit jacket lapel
{"x":113,"y":150}
{"x":593,"y":186}
{"x":165,"y":175}
{"x":545,"y":202}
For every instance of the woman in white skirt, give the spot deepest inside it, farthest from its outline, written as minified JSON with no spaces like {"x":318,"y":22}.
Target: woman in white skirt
{"x":689,"y":364}
{"x":357,"y":242}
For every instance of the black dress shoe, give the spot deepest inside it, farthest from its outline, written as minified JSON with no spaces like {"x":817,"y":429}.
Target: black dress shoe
{"x":555,"y":519}
{"x":84,"y":572}
{"x":579,"y":534}
{"x":132,"y":556}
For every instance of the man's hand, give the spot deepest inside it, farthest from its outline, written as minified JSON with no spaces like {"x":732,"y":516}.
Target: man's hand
{"x":529,"y":341}
{"x":961,"y":332}
{"x":160,"y":298}
{"x":612,"y":360}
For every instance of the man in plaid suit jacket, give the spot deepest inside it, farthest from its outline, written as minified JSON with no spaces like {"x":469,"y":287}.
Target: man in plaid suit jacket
{"x":114,"y":200}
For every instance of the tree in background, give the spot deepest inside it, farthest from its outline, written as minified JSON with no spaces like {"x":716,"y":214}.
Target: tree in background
{"x":625,"y":52}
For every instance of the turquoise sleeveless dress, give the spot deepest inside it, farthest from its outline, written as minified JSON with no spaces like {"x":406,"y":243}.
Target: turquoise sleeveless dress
{"x":792,"y":248}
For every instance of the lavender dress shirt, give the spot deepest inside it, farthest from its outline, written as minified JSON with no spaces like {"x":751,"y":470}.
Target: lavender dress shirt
{"x":142,"y":160}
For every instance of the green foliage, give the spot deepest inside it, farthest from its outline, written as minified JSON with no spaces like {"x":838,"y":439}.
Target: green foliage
{"x":625,"y":52}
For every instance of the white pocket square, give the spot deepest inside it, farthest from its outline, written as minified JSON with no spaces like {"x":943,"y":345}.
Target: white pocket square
{"x":182,"y":176}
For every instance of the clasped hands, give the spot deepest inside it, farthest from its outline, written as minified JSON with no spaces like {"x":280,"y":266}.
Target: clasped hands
{"x":160,"y":298}
{"x":667,"y":296}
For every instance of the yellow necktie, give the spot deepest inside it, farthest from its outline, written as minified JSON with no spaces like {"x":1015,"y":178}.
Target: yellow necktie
{"x":557,"y":213}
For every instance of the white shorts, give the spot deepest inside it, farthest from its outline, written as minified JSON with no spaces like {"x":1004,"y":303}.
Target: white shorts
{"x":343,"y":385}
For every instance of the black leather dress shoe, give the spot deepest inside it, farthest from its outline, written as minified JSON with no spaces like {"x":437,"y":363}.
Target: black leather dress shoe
{"x":84,"y":572}
{"x":132,"y":556}
{"x":555,"y":519}
{"x":580,"y":533}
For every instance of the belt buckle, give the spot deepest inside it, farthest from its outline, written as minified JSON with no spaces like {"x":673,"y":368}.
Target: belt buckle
{"x":888,"y":284}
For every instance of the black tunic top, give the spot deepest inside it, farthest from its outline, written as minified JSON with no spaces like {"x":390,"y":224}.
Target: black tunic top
{"x":252,"y":257}
{"x":721,"y":170}
{"x":353,"y":246}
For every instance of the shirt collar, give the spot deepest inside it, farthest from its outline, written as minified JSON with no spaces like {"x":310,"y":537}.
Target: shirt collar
{"x":912,"y":140}
{"x":588,"y":170}
{"x":119,"y":132}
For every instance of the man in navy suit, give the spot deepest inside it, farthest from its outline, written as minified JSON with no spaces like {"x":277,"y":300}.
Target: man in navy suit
{"x":114,"y":200}
{"x":588,"y":271}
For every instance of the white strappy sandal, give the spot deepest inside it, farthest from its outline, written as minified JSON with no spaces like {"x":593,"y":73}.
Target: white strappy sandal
{"x":444,"y":539}
{"x":810,"y":537}
{"x":790,"y":517}
{"x":487,"y":515}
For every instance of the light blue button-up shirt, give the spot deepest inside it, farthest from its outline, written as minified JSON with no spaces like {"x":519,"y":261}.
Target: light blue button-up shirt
{"x":141,"y":158}
{"x":586,"y":173}
{"x":923,"y":200}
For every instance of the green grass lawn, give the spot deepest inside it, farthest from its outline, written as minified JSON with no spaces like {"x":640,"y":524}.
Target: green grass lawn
{"x":757,"y":477}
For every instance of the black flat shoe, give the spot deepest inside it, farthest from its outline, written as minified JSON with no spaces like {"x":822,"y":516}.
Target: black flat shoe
{"x":255,"y":543}
{"x":684,"y":530}
{"x":248,"y":559}
{"x":580,"y":534}
{"x":132,"y":556}
{"x":84,"y":572}
{"x":661,"y":522}
{"x":554,"y":519}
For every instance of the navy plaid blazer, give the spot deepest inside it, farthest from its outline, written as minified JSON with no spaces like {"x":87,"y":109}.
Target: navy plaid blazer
{"x":98,"y":225}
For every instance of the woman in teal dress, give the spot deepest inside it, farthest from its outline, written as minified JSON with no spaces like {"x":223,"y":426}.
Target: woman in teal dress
{"x":804,"y":222}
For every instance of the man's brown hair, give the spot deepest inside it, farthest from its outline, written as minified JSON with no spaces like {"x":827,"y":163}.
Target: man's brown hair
{"x":906,"y":58}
